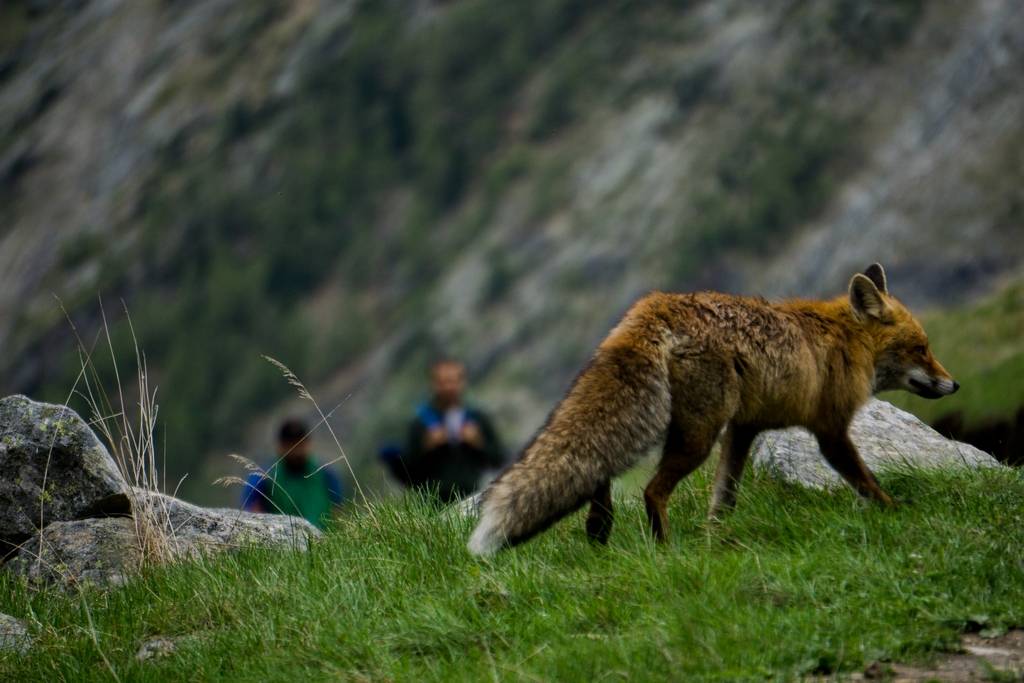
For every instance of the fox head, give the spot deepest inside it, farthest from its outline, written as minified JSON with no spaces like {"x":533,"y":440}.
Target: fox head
{"x":903,"y":359}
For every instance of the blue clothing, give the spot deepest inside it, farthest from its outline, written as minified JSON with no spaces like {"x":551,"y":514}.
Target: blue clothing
{"x":309,"y":493}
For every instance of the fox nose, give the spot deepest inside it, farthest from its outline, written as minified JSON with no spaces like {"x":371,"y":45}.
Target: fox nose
{"x":956,"y":385}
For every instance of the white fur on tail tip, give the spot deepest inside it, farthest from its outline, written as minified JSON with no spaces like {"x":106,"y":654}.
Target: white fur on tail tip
{"x":486,"y":538}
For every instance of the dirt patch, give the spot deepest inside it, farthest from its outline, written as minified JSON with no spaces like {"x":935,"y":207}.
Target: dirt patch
{"x":980,"y":659}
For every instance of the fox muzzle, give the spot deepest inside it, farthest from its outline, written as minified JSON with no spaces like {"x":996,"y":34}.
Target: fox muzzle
{"x":926,"y":386}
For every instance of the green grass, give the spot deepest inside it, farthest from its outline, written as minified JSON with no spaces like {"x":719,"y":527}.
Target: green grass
{"x":794,"y":582}
{"x":982,"y":346}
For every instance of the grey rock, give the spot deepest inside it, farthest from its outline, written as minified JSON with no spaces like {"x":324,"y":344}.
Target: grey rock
{"x":886,"y":437}
{"x":101,"y":551}
{"x":467,"y":507}
{"x":191,"y":529}
{"x":156,"y":648}
{"x":14,"y":637}
{"x":108,"y":551}
{"x":44,"y":442}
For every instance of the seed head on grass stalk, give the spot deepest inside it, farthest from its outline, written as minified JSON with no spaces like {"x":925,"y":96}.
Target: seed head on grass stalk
{"x":252,"y":467}
{"x":304,"y":394}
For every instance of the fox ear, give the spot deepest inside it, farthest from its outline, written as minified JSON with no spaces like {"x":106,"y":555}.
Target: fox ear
{"x":866,"y":300}
{"x":877,"y":275}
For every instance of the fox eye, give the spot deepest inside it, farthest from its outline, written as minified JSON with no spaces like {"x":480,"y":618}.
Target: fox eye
{"x":921,"y":350}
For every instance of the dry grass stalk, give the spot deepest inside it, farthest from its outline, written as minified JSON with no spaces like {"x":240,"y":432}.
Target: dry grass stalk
{"x":324,"y":419}
{"x":252,"y":467}
{"x":304,"y":394}
{"x":129,"y":432}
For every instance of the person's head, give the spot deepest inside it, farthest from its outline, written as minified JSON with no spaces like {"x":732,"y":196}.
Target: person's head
{"x":293,"y":442}
{"x":447,"y":382}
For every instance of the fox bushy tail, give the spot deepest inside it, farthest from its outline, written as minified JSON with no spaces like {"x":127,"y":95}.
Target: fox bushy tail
{"x":600,"y":429}
{"x":528,"y":499}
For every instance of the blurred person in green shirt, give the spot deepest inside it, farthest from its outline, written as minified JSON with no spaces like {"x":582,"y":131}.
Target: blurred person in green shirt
{"x":294,"y":484}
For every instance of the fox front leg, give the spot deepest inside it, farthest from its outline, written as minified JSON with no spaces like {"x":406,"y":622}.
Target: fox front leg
{"x":842,"y":455}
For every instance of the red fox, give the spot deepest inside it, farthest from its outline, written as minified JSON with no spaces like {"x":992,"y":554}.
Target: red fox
{"x":678,"y":369}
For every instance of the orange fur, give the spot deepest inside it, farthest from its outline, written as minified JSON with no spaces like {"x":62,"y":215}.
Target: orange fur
{"x":679,"y":368}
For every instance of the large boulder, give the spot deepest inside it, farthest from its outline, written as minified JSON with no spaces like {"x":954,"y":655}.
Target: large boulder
{"x":107,"y":551}
{"x":191,"y":530}
{"x":40,"y":442}
{"x":886,"y":437}
{"x":101,"y":551}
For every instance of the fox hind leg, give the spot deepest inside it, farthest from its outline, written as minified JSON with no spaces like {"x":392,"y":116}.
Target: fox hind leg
{"x":683,"y":453}
{"x":735,"y":449}
{"x":599,"y":519}
{"x":700,"y":408}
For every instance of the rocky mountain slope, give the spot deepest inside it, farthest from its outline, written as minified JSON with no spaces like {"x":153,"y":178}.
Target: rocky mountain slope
{"x":354,"y":187}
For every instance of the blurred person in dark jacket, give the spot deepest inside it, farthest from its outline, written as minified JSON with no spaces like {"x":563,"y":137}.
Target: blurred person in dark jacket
{"x":451,"y":446}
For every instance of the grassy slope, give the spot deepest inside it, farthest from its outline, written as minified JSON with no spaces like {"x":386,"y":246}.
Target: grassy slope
{"x":795,"y":581}
{"x":982,"y":345}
